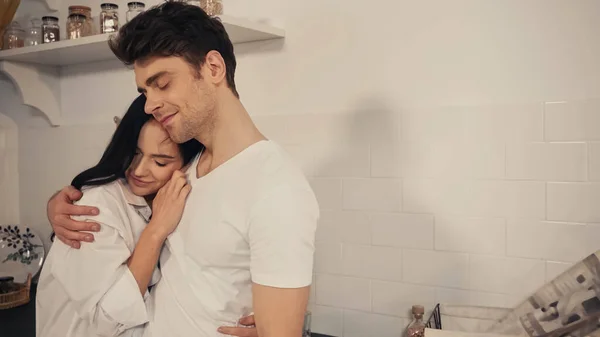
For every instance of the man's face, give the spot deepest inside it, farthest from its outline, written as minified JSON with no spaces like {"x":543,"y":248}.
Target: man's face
{"x":176,"y":95}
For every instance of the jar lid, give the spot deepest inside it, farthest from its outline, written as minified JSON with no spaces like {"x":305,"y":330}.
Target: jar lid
{"x":14,"y":27}
{"x":136,"y":3}
{"x":109,"y":5}
{"x":79,"y":7}
{"x":77,"y":16}
{"x":418,"y":309}
{"x":50,"y":18}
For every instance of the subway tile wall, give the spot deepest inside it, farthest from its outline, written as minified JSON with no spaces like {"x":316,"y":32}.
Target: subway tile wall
{"x":475,"y":205}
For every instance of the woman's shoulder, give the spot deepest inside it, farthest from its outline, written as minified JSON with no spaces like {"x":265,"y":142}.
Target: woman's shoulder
{"x":108,"y":198}
{"x":107,"y":195}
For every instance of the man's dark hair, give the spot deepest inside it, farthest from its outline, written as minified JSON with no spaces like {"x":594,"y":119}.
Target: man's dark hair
{"x":174,"y":28}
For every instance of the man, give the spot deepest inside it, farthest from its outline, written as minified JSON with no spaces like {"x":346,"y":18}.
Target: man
{"x":246,"y":239}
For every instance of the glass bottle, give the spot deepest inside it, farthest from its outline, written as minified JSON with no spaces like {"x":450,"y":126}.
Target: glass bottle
{"x":306,"y":330}
{"x":34,"y":33}
{"x":109,"y":18}
{"x":134,"y":8}
{"x":212,"y":7}
{"x":194,"y":3}
{"x":416,"y":328}
{"x":88,"y":27}
{"x":14,"y":36}
{"x":76,"y":26}
{"x":50,"y":29}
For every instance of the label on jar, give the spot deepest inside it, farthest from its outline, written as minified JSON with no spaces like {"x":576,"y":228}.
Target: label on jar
{"x":109,"y":23}
{"x":50,"y":34}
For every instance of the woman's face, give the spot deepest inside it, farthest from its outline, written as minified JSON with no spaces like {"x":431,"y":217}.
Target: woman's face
{"x":156,"y":158}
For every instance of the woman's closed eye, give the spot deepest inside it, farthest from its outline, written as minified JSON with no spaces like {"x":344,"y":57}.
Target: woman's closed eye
{"x":160,"y":164}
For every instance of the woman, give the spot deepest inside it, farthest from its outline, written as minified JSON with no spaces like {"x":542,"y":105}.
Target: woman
{"x":100,"y":289}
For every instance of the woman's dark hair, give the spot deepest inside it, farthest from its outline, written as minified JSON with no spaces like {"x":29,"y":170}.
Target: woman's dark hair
{"x":175,"y":28}
{"x":122,"y":147}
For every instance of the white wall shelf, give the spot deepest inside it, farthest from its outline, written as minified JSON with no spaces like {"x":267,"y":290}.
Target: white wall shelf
{"x":35,"y":70}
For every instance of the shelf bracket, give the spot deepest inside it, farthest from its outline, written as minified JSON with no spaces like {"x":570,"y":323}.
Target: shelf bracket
{"x":39,"y":87}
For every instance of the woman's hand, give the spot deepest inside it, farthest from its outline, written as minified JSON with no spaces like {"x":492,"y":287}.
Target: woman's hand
{"x":168,"y":205}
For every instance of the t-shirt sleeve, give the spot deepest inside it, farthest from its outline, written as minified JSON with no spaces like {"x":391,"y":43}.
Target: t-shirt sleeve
{"x":282,"y":238}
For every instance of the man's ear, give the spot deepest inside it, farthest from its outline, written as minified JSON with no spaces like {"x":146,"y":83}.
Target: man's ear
{"x":117,"y":120}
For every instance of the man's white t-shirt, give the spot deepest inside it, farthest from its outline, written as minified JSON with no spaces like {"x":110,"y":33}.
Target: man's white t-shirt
{"x":252,"y":219}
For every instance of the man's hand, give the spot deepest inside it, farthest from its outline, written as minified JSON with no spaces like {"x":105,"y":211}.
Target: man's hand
{"x":248,"y":329}
{"x":59,"y":210}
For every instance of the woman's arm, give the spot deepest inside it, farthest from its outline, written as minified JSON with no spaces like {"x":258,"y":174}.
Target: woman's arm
{"x":97,"y":281}
{"x":145,"y":257}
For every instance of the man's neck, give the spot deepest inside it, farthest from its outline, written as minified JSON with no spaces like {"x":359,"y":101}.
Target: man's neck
{"x":232,"y":132}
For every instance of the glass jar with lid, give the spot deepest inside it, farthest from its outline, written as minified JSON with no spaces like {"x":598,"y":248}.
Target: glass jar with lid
{"x":134,"y":8}
{"x":34,"y":33}
{"x":109,"y":18}
{"x":50,"y":29}
{"x":212,"y":7}
{"x":194,"y":2}
{"x":88,"y":28}
{"x":76,"y":26}
{"x":14,"y":36}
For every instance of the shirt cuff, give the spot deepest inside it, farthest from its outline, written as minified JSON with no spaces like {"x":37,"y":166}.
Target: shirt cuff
{"x":283,"y":281}
{"x":124,"y":303}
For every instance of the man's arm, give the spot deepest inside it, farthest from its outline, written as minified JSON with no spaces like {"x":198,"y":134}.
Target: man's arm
{"x":59,"y":210}
{"x":279,"y":311}
{"x":281,"y":235}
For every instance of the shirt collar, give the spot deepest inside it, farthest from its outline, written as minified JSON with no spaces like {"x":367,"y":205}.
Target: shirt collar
{"x":138,"y":203}
{"x":131,"y":198}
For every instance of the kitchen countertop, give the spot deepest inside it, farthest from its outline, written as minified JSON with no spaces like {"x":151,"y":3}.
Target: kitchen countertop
{"x":20,"y":321}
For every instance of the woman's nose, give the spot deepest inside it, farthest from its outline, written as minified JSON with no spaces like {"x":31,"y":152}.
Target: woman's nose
{"x":140,"y":168}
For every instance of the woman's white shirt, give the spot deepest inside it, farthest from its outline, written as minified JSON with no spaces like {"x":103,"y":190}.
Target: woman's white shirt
{"x":90,"y":291}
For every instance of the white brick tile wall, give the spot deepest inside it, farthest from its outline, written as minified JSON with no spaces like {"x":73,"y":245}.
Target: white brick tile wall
{"x":506,"y":275}
{"x":557,"y":241}
{"x":594,"y":161}
{"x":485,"y":198}
{"x":572,"y":120}
{"x":396,"y":299}
{"x":372,"y":194}
{"x":328,"y":258}
{"x":436,"y":268}
{"x":327,"y":320}
{"x":379,"y":263}
{"x":342,"y":160}
{"x":386,"y":159}
{"x":469,"y":297}
{"x":402,"y":230}
{"x":553,"y":269}
{"x":472,"y":235}
{"x":547,"y":161}
{"x":328,"y":192}
{"x":344,"y":226}
{"x":453,"y":158}
{"x":577,"y":202}
{"x":363,"y":324}
{"x":344,"y":292}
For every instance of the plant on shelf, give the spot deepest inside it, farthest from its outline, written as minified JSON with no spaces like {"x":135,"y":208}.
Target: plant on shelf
{"x":25,"y":251}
